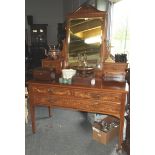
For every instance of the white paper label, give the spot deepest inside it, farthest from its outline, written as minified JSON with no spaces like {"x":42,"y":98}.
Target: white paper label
{"x":97,"y":130}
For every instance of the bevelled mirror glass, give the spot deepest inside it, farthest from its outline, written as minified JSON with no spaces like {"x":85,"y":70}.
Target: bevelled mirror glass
{"x":84,"y":40}
{"x":86,"y":36}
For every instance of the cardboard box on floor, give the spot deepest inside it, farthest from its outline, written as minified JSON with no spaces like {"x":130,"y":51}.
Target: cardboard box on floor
{"x":104,"y":137}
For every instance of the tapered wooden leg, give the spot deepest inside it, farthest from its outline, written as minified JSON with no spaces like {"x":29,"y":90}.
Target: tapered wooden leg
{"x":121,"y":122}
{"x":49,"y":111}
{"x":32,"y":110}
{"x":120,"y":134}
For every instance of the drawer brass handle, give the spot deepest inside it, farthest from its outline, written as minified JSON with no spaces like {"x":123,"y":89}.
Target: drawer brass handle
{"x":50,"y":90}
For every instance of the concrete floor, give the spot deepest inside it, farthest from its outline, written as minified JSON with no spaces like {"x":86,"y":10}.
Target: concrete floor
{"x":67,"y":132}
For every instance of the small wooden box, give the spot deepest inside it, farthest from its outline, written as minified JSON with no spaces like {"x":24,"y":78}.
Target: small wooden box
{"x":56,"y":64}
{"x":115,"y":67}
{"x":115,"y":71}
{"x":43,"y":74}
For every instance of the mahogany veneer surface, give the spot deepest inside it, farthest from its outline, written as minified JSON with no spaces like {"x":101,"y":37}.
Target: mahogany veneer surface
{"x":105,"y":97}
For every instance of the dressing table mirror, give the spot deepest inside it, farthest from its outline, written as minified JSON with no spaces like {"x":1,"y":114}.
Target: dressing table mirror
{"x":85,"y":47}
{"x":86,"y":36}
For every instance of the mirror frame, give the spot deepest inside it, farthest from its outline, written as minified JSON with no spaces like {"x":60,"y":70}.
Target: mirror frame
{"x":88,"y":11}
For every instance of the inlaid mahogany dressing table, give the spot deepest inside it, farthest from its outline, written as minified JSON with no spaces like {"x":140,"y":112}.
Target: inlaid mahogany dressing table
{"x":105,"y":97}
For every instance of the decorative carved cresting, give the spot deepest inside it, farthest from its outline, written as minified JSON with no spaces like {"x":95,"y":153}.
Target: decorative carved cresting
{"x":86,"y":11}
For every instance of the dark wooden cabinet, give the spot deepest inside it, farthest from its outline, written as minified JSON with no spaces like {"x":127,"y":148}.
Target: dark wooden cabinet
{"x":38,"y":44}
{"x":39,"y":35}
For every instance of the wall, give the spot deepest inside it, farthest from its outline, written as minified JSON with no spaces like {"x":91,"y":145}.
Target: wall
{"x":71,"y":5}
{"x":45,"y":12}
{"x":52,"y":12}
{"x":102,"y":5}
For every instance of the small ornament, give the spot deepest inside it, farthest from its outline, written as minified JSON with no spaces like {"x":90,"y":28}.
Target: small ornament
{"x":93,"y":82}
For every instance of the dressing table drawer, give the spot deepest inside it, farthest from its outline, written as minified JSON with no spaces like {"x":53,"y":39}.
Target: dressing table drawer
{"x":111,"y":107}
{"x":109,"y":97}
{"x":51,"y":90}
{"x":42,"y":100}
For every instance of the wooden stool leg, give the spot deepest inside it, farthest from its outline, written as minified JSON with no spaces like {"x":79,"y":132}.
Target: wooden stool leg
{"x":49,"y":111}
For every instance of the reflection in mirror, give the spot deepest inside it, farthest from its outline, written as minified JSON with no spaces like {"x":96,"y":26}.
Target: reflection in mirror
{"x":84,"y":41}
